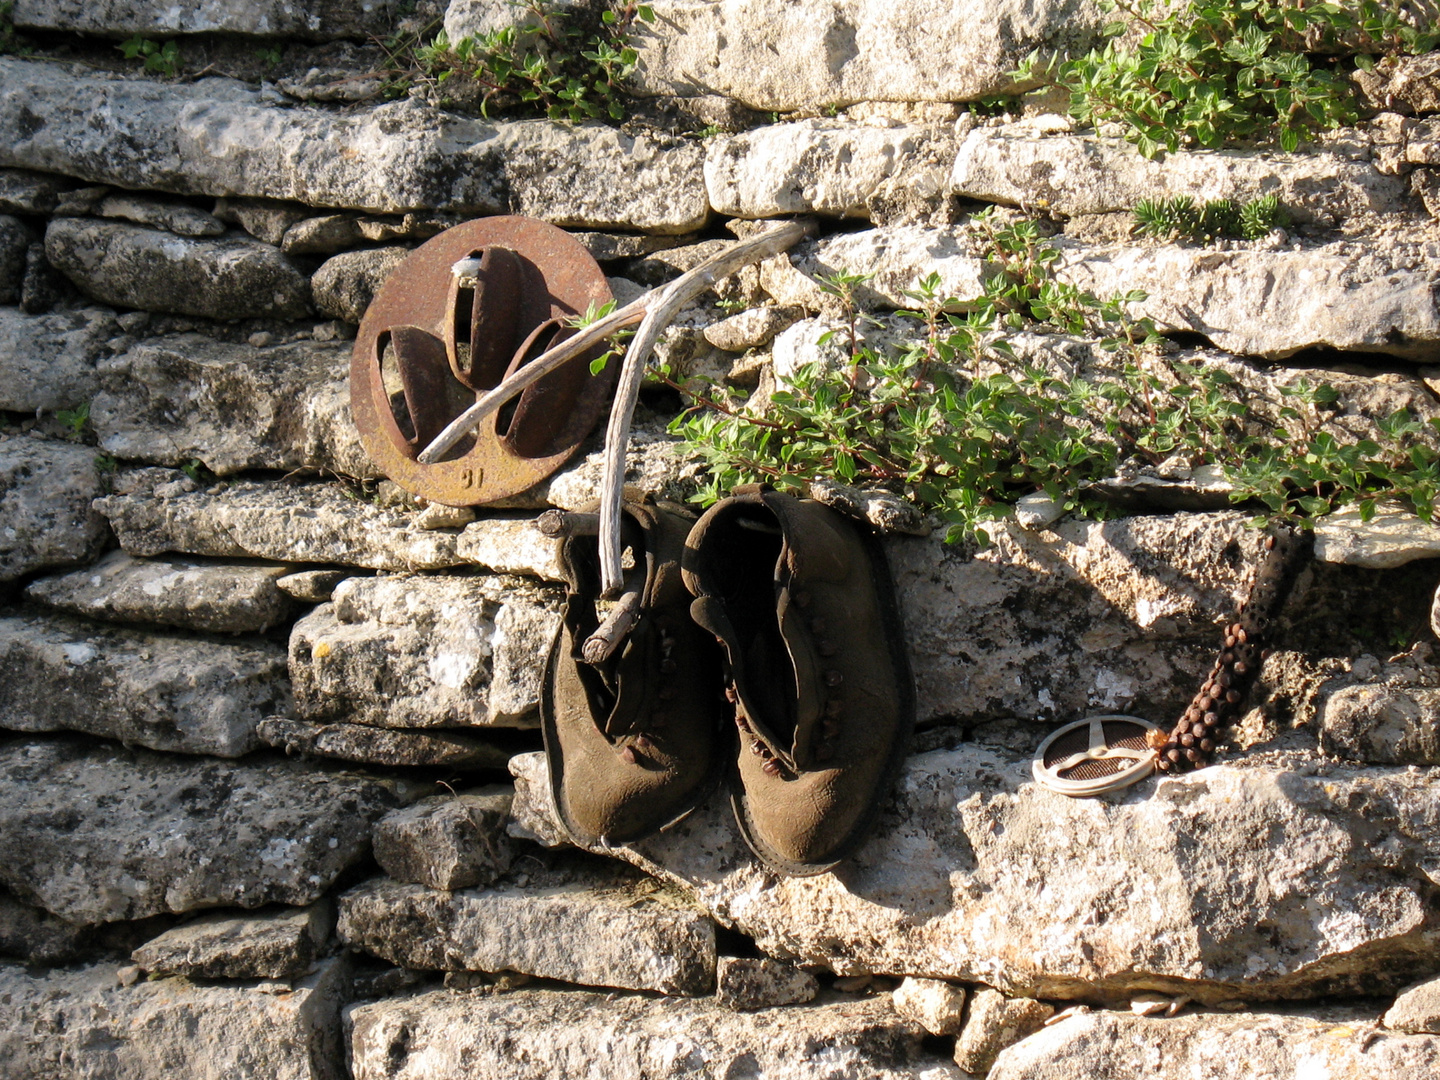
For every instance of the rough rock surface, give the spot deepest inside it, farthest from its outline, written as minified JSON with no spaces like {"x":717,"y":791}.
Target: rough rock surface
{"x":893,"y":257}
{"x":1332,"y":1044}
{"x":166,"y":692}
{"x":1348,"y":295}
{"x":14,"y":243}
{"x":937,"y":1006}
{"x":97,"y":833}
{"x":175,"y":217}
{"x":48,"y":361}
{"x":1071,"y":175}
{"x":157,"y":511}
{"x":34,"y":936}
{"x":232,"y":407}
{"x":616,"y":930}
{"x":1393,"y":537}
{"x":261,"y":18}
{"x":380,"y":746}
{"x":424,"y":652}
{"x":743,"y":983}
{"x":828,"y":167}
{"x":1220,"y":884}
{"x":274,"y":944}
{"x":26,"y":192}
{"x":531,"y":1034}
{"x":46,"y":517}
{"x":448,"y":842}
{"x":1391,"y":725}
{"x":221,"y":598}
{"x":345,"y":284}
{"x":82,"y":1024}
{"x":1417,"y":1009}
{"x":217,"y":137}
{"x":135,"y":267}
{"x":994,"y":1022}
{"x":814,"y":53}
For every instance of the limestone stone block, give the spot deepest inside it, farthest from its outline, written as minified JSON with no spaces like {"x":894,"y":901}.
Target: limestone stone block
{"x":26,"y":192}
{"x":828,"y":167}
{"x":752,"y":329}
{"x":1346,"y":295}
{"x":179,"y":218}
{"x":346,"y":283}
{"x":219,"y":137}
{"x":448,"y":842}
{"x":34,"y":936}
{"x":1327,"y":1044}
{"x":993,"y":1023}
{"x":616,"y":930}
{"x":1393,"y":537}
{"x":182,"y":694}
{"x":1396,"y":725}
{"x":311,"y":586}
{"x":278,"y":943}
{"x":268,"y":18}
{"x":936,"y":1005}
{"x":265,"y":219}
{"x":220,"y":598}
{"x":744,"y":983}
{"x":773,"y":55}
{"x":530,"y":1034}
{"x":323,"y":235}
{"x":81,"y":1023}
{"x":309,"y":523}
{"x":135,"y":267}
{"x":1085,"y":174}
{"x":381,"y":746}
{"x":46,"y":516}
{"x":975,"y":873}
{"x":406,"y":651}
{"x":97,"y":833}
{"x":1417,"y":1009}
{"x":47,"y":362}
{"x":231,"y":406}
{"x":895,"y":258}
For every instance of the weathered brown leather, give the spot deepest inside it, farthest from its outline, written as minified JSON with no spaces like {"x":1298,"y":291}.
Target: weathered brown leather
{"x":631,"y":743}
{"x":802,"y":602}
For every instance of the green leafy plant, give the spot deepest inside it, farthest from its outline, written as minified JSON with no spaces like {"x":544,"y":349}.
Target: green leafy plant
{"x":195,"y":469}
{"x":1178,"y":217}
{"x":1207,"y":72}
{"x":160,"y":59}
{"x":75,"y":419}
{"x":270,"y":57}
{"x":547,"y":66}
{"x":955,"y":422}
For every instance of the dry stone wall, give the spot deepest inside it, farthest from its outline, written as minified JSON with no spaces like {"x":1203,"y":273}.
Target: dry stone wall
{"x":272,"y":797}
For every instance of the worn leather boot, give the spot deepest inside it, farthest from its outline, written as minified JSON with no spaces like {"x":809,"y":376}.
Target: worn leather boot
{"x":802,"y":602}
{"x":631,"y":736}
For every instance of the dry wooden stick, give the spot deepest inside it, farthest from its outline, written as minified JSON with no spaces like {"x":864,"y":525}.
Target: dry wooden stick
{"x":601,"y":645}
{"x":564,"y":523}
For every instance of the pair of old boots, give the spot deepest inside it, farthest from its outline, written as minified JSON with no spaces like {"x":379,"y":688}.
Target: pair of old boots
{"x":810,"y":665}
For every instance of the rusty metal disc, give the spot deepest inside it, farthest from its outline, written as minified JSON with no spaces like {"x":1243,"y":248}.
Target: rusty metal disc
{"x":430,"y":345}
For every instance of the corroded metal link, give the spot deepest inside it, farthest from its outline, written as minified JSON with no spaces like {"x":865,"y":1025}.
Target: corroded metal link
{"x":1221,"y":697}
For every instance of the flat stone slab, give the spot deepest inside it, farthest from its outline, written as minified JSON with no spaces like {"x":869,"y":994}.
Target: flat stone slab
{"x":380,"y":746}
{"x":96,"y":833}
{"x":829,"y":167}
{"x":47,"y":362}
{"x":448,"y":841}
{"x":743,"y":983}
{"x":1393,"y":537}
{"x":534,"y":1034}
{"x":1252,"y":880}
{"x":1393,"y":725}
{"x":131,"y":266}
{"x":271,"y":944}
{"x":774,"y":55}
{"x":233,"y":407}
{"x":1078,"y":174}
{"x":211,"y":597}
{"x":310,"y":523}
{"x":218,"y":137}
{"x":1416,"y":1009}
{"x":1348,"y":295}
{"x":46,"y":513}
{"x":617,"y":930}
{"x":1330,"y":1044}
{"x":176,"y":217}
{"x":406,"y":651}
{"x":82,"y":1023}
{"x":166,"y":692}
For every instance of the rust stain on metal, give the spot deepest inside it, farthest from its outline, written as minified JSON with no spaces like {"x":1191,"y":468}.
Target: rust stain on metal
{"x":431,"y":343}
